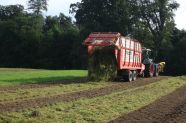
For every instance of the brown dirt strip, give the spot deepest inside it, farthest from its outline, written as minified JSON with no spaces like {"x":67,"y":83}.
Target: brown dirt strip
{"x":41,"y":85}
{"x":41,"y":102}
{"x":168,"y":109}
{"x":24,"y":87}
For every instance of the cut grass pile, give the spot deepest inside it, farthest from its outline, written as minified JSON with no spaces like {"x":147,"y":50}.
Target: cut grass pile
{"x":102,"y":64}
{"x":32,"y":76}
{"x":99,"y":109}
{"x":49,"y":91}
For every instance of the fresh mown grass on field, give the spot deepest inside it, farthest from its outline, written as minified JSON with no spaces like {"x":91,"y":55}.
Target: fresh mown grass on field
{"x":99,"y":109}
{"x":30,"y":76}
{"x":50,"y":91}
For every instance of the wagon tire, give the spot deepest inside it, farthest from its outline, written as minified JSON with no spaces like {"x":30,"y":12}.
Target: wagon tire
{"x":134,"y":75}
{"x":130,"y":76}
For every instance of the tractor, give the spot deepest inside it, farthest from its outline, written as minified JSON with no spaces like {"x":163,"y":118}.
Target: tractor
{"x":151,"y":68}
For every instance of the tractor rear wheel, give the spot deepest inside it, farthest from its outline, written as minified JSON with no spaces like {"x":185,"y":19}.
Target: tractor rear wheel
{"x":149,"y":70}
{"x":156,"y":71}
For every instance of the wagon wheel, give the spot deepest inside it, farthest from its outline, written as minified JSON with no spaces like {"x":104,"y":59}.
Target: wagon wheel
{"x":134,"y":75}
{"x":129,"y":76}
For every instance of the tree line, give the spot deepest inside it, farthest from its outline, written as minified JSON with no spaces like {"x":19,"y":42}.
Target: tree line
{"x":55,"y":42}
{"x":34,"y":41}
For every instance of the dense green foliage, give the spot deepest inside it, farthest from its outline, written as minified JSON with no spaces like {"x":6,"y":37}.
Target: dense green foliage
{"x":177,"y":58}
{"x":55,"y":42}
{"x":30,"y":40}
{"x":150,"y":21}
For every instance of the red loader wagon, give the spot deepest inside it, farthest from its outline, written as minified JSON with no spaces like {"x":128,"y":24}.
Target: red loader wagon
{"x":128,"y":52}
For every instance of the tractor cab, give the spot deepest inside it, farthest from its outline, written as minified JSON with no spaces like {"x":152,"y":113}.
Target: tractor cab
{"x":147,"y":56}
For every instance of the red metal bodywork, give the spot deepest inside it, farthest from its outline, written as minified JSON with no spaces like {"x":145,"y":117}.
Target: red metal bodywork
{"x":128,"y":51}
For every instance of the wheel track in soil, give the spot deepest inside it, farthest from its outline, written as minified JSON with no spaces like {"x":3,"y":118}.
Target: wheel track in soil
{"x":15,"y":106}
{"x":168,"y":109}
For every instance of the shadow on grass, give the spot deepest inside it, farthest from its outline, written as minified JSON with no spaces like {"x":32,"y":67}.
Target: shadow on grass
{"x":49,"y":80}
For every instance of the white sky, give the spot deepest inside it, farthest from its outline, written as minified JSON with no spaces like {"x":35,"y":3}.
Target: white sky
{"x":57,"y":6}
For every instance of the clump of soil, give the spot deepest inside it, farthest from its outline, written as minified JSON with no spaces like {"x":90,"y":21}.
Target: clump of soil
{"x":35,"y":114}
{"x":102,"y":64}
{"x":59,"y":109}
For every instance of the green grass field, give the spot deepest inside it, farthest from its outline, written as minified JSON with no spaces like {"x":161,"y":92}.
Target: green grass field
{"x":96,"y":109}
{"x":49,"y":91}
{"x":10,"y":76}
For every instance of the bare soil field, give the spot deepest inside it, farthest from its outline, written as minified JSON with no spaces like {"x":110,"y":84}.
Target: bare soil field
{"x":168,"y":109}
{"x":45,"y":101}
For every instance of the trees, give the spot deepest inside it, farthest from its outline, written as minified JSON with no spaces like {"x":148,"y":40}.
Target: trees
{"x":37,"y":6}
{"x":62,"y":45}
{"x":10,"y":11}
{"x":103,"y":15}
{"x":177,"y":58}
{"x":20,"y":36}
{"x":30,"y":40}
{"x":157,"y":15}
{"x":148,"y":20}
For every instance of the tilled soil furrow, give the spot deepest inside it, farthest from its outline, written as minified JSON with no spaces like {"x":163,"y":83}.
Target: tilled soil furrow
{"x":168,"y":109}
{"x":178,"y":115}
{"x":41,"y":102}
{"x":24,"y":87}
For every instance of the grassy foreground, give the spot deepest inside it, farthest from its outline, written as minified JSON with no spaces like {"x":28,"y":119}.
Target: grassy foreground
{"x":29,"y":76}
{"x":50,"y":91}
{"x":99,"y":109}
